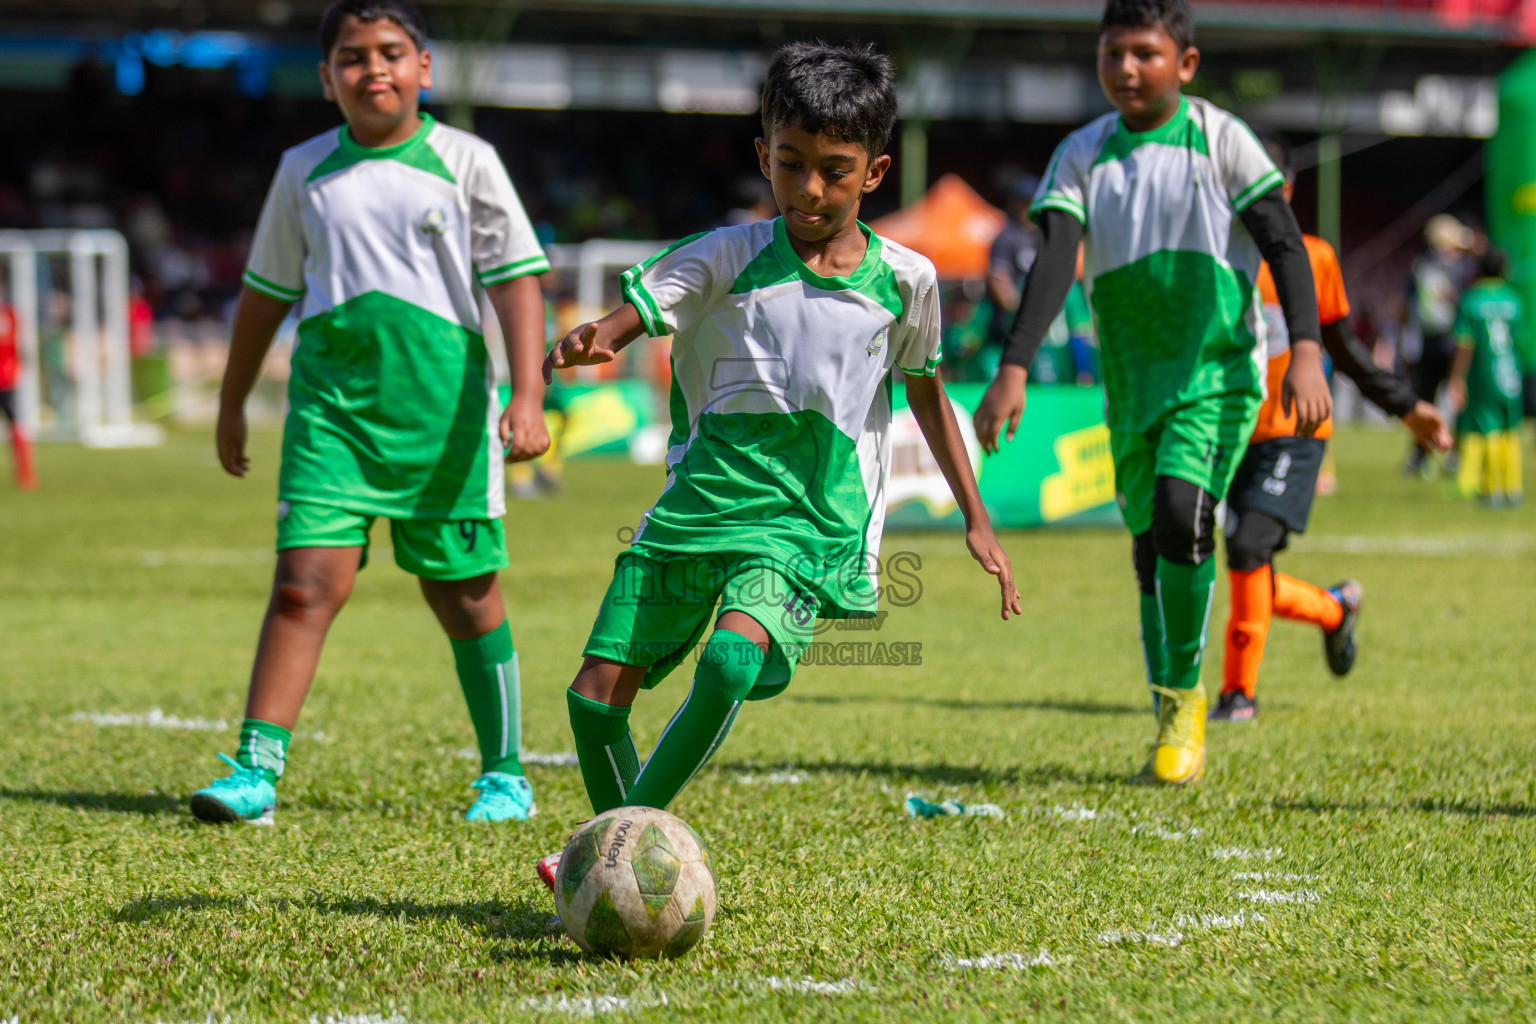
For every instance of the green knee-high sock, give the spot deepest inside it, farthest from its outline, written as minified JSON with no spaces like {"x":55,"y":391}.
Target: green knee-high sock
{"x":1153,"y":651}
{"x":487,"y":667}
{"x":728,"y":666}
{"x":605,"y":748}
{"x":265,"y":746}
{"x":1184,"y":597}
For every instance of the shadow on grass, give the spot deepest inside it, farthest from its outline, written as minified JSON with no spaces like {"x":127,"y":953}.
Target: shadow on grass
{"x":526,"y":921}
{"x":121,"y":803}
{"x":1071,"y":707}
{"x":1470,"y":810}
{"x":944,"y":774}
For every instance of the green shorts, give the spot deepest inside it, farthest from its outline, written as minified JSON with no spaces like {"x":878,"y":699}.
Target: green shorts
{"x":1200,"y":443}
{"x":434,"y":549}
{"x":1492,"y":417}
{"x":657,"y":610}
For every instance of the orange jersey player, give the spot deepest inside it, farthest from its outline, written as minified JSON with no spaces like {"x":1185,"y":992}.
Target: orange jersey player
{"x":1271,"y":496}
{"x":21,"y":447}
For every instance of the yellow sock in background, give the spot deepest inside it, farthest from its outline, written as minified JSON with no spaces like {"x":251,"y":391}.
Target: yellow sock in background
{"x":1473,"y":472}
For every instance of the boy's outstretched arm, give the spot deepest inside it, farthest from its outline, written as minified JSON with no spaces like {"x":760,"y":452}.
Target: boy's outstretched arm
{"x":257,"y":318}
{"x":1045,"y":291}
{"x":929,"y":404}
{"x":1386,"y":390}
{"x":1272,"y":224}
{"x":596,"y":342}
{"x":519,"y":306}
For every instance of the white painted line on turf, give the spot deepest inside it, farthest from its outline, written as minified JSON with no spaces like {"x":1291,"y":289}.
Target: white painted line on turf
{"x":773,"y":779}
{"x":1077,"y":812}
{"x":1157,"y":830}
{"x":1272,"y":876}
{"x":587,"y":1006}
{"x":1001,"y":962}
{"x":216,"y":556}
{"x":210,"y":1019}
{"x":1115,"y":936}
{"x":1274,"y":896}
{"x":357,"y":1018}
{"x":1246,"y":853}
{"x":810,"y":986}
{"x":1224,"y":922}
{"x":1423,"y":547}
{"x":154,"y":719}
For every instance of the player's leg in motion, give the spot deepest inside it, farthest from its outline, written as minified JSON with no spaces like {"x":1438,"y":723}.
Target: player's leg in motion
{"x":729,"y":665}
{"x":1154,"y":650}
{"x":1183,"y":533}
{"x":1251,"y":547}
{"x":308,"y":590}
{"x":21,"y":445}
{"x":471,"y":612}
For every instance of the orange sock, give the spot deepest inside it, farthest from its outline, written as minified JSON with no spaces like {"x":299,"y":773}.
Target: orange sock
{"x":1247,"y":626}
{"x":1302,"y":602}
{"x":21,"y":450}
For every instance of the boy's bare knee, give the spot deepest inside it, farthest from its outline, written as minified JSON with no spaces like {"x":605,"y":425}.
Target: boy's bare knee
{"x":306,"y":590}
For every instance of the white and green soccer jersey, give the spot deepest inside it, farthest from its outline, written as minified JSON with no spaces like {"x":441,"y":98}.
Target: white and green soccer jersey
{"x":781,"y":402}
{"x":1167,"y":264}
{"x":391,"y":407}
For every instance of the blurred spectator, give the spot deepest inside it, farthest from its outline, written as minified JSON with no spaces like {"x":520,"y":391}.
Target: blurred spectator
{"x":1435,"y":285}
{"x":1013,"y":253}
{"x":754,"y":200}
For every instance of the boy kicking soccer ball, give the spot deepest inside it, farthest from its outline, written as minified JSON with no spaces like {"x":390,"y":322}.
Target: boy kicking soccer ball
{"x":1174,"y":201}
{"x":786,"y":333}
{"x":387,"y":229}
{"x":1272,"y":494}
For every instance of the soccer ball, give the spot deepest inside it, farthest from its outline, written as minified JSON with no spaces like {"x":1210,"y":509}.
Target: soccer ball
{"x":635,"y":882}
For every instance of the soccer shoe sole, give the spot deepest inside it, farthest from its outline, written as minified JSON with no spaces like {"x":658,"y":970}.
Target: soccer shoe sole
{"x":1342,"y":662}
{"x":216,"y":811}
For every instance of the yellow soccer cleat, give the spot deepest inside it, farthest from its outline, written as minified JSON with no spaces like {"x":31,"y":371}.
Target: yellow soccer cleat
{"x":1179,"y":755}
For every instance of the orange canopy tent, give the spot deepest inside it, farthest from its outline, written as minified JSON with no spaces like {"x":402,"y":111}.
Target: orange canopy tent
{"x":951,"y":225}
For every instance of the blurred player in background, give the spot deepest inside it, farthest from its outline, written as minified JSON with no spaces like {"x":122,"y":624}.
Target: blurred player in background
{"x":786,"y":336}
{"x":384,"y":228}
{"x":1175,"y":201}
{"x":1485,"y":386}
{"x":1272,"y":493}
{"x":21,"y":445}
{"x":1435,"y":282}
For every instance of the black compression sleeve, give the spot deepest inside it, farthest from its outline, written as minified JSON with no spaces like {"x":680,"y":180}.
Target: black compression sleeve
{"x":1050,"y":278}
{"x":1273,"y":226}
{"x":1390,"y":392}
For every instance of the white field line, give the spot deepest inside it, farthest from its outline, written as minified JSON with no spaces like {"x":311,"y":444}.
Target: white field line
{"x":1272,"y":876}
{"x":210,"y":1019}
{"x":1000,"y":962}
{"x":773,"y":779}
{"x":1077,"y":812}
{"x":154,"y":718}
{"x":1156,"y":830}
{"x":1115,"y":936}
{"x":562,"y":759}
{"x":810,"y":986}
{"x":215,"y":556}
{"x":1274,"y":896}
{"x":1187,"y":922}
{"x":357,"y":1018}
{"x":1246,"y":853}
{"x":588,"y":1006}
{"x":1212,"y":922}
{"x":1423,"y":547}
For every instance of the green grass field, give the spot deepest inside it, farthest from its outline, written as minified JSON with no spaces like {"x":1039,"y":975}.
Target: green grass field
{"x":1363,"y":853}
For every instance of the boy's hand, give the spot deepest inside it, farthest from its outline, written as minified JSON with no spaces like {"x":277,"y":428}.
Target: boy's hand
{"x":986,"y":550}
{"x":579,"y":348}
{"x":524,"y":434}
{"x":1306,"y":389}
{"x":1428,"y":426}
{"x":1002,"y":404}
{"x":229,"y":438}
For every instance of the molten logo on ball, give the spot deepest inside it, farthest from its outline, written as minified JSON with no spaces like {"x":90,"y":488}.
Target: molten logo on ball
{"x":635,"y":882}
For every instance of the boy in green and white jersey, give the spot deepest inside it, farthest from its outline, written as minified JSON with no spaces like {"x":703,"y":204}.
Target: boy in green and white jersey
{"x":1175,"y":203}
{"x":387,"y":230}
{"x":786,"y":333}
{"x":1486,"y":386}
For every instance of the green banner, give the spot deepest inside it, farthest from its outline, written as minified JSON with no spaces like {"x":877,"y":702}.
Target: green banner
{"x":1057,"y":471}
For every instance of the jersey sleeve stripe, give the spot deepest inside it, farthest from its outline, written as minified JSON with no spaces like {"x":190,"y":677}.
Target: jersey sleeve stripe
{"x":517,"y":268}
{"x":928,"y":369}
{"x":1248,"y":196}
{"x":271,"y":289}
{"x":1058,"y":202}
{"x":633,"y":289}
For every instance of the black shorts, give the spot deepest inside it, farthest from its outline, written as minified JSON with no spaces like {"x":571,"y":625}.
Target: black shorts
{"x":1278,"y":478}
{"x":8,"y":406}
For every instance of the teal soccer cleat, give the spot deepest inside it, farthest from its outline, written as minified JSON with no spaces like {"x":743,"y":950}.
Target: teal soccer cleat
{"x":244,"y":795}
{"x":502,"y":797}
